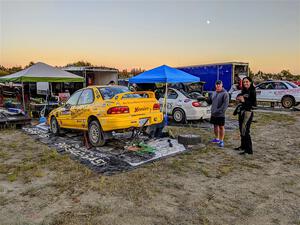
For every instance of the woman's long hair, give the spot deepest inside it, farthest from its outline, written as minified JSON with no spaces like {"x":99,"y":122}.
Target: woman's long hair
{"x":251,"y":85}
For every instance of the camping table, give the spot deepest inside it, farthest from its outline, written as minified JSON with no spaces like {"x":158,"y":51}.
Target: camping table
{"x":36,"y":108}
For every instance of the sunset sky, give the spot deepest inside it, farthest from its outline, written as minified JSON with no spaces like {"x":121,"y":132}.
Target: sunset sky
{"x":146,"y":34}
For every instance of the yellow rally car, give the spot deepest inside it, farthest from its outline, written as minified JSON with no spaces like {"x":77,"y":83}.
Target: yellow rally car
{"x":103,"y":109}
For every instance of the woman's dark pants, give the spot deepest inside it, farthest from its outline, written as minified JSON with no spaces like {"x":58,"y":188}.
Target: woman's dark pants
{"x":245,"y":119}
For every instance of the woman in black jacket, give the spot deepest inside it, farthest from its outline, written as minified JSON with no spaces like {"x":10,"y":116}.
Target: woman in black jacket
{"x":247,"y":99}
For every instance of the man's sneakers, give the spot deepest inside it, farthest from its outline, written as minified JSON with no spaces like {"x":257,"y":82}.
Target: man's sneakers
{"x":221,"y":144}
{"x":216,"y":140}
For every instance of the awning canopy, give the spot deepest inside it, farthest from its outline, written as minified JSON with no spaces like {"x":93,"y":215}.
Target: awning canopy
{"x":164,"y":74}
{"x":41,"y":72}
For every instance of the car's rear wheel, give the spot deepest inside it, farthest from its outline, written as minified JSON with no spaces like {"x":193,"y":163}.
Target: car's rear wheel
{"x":96,"y":135}
{"x":287,"y":102}
{"x":179,"y":115}
{"x":54,"y":126}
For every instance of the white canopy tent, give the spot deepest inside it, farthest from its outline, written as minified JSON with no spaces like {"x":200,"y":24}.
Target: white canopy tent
{"x":41,"y":72}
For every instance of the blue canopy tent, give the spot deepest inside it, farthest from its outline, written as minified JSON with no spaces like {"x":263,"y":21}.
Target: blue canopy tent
{"x":164,"y":74}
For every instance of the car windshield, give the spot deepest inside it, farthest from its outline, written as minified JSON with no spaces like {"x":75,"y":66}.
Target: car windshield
{"x":292,"y":84}
{"x":111,"y":91}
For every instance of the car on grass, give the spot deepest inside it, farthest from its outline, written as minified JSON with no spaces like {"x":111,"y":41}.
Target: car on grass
{"x":99,"y":110}
{"x":284,"y":92}
{"x":183,"y":106}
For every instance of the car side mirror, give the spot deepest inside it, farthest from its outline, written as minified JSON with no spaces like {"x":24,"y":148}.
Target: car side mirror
{"x":67,"y":105}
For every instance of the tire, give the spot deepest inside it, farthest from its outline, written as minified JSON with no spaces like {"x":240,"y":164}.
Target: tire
{"x":55,"y":129}
{"x":189,"y":139}
{"x":287,"y":102}
{"x":179,"y":116}
{"x":96,"y":135}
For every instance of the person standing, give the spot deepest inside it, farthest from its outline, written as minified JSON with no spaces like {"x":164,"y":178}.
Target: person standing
{"x":247,"y":99}
{"x":219,"y":103}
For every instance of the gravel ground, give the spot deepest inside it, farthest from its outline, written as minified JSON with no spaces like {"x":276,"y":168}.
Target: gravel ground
{"x":204,"y":186}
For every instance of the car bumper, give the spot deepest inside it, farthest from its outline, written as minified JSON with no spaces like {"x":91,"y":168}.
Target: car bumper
{"x":297,"y":99}
{"x":198,"y":113}
{"x":119,"y":122}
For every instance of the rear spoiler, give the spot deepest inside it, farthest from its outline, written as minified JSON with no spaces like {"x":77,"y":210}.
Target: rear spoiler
{"x":144,"y":94}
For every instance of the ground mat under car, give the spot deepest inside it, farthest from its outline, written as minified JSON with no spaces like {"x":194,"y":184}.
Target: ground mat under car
{"x":109,"y":159}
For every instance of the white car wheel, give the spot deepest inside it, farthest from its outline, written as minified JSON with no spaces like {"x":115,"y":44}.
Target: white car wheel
{"x":179,"y":115}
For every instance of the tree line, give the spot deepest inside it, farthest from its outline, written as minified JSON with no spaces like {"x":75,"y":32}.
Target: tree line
{"x":283,"y":75}
{"x":259,"y":76}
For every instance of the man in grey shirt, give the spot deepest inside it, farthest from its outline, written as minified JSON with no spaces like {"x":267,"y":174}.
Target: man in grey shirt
{"x":219,"y":103}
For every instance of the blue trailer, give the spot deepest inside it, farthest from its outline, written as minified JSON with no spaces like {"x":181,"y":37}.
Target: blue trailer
{"x":229,"y":73}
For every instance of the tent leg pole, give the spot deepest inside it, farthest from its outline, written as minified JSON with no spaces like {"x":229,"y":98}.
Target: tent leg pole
{"x":29,"y":96}
{"x":23,"y":97}
{"x":165,"y":105}
{"x":50,"y":88}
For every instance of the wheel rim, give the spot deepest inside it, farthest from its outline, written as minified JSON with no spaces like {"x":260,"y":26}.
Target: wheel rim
{"x":287,"y":102}
{"x":54,"y":126}
{"x":94,"y":133}
{"x":178,"y":116}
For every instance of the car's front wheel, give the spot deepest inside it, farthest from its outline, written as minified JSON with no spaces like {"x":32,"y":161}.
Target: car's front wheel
{"x":54,"y":126}
{"x":96,"y":135}
{"x":287,"y":102}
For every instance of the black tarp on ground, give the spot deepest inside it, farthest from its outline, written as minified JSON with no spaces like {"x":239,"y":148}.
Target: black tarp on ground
{"x":109,"y":159}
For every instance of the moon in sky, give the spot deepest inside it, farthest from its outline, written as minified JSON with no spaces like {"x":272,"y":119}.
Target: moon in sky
{"x":207,"y":21}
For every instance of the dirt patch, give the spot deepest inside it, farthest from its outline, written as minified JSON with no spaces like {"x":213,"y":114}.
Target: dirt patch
{"x":204,"y":186}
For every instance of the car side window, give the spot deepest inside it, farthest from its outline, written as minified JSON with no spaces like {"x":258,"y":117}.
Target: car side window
{"x":74,"y":98}
{"x":270,"y":86}
{"x":265,"y":86}
{"x":172,"y":94}
{"x":279,"y":86}
{"x":87,"y":97}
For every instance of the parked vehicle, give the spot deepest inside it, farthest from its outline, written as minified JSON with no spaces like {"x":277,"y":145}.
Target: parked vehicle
{"x":297,"y":83}
{"x":282,"y":91}
{"x":184,"y":107}
{"x":103,"y":109}
{"x":230,"y":73}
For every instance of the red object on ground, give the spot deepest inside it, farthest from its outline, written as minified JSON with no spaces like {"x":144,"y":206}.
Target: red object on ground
{"x":86,"y":142}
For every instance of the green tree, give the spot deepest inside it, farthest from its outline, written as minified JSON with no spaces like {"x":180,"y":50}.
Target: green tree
{"x":3,"y":73}
{"x":79,"y":63}
{"x":14,"y":69}
{"x":124,"y":74}
{"x":31,"y":63}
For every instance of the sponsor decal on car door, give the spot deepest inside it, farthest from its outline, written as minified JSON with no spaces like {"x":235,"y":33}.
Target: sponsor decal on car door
{"x":83,"y":108}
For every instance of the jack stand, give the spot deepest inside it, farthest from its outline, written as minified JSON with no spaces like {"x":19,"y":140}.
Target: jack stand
{"x":138,"y":132}
{"x":86,"y":142}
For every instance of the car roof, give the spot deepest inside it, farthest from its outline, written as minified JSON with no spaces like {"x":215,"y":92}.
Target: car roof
{"x":274,"y":81}
{"x":98,"y":86}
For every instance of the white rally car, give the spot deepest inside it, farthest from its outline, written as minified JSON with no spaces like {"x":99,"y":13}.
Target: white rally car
{"x":183,"y":106}
{"x":285,"y":92}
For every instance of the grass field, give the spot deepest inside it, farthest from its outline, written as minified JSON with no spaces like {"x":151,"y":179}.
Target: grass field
{"x":204,"y":186}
